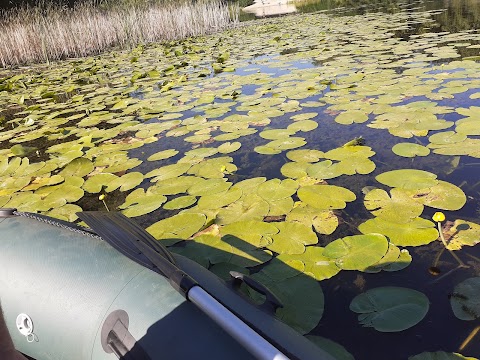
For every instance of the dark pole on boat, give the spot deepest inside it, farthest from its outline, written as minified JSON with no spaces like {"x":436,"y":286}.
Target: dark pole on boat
{"x":120,"y":232}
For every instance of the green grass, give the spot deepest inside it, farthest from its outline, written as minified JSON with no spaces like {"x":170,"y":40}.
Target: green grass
{"x":50,"y":32}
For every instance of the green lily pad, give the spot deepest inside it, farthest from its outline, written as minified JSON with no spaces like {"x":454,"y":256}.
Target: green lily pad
{"x":305,"y":155}
{"x":169,"y":187}
{"x":209,"y":187}
{"x":351,"y":116}
{"x":168,"y":172}
{"x":463,"y":233}
{"x":220,"y":199}
{"x":325,"y":197}
{"x":337,"y":351}
{"x":275,"y":134}
{"x":254,"y":232}
{"x":138,"y":203}
{"x":410,"y":150}
{"x":180,"y":202}
{"x":229,"y":147}
{"x":249,"y":207}
{"x":324,"y":221}
{"x":77,"y":167}
{"x":277,"y":189}
{"x":408,"y":179}
{"x":125,"y":182}
{"x":314,"y":263}
{"x":414,"y":233}
{"x":292,"y":238}
{"x":295,"y":170}
{"x":303,"y":125}
{"x":390,"y":309}
{"x":162,"y":155}
{"x":176,"y":228}
{"x":403,"y":260}
{"x":398,"y":207}
{"x":357,"y":252}
{"x":443,"y":195}
{"x":95,"y":183}
{"x":302,"y":298}
{"x":465,"y":299}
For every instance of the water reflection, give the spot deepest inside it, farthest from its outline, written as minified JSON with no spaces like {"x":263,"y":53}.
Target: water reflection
{"x":266,"y":8}
{"x":456,"y":15}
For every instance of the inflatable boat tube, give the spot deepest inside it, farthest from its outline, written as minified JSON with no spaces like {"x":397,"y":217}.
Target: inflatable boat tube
{"x":68,"y":294}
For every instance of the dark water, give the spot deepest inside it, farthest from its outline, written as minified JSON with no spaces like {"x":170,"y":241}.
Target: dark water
{"x":440,"y":330}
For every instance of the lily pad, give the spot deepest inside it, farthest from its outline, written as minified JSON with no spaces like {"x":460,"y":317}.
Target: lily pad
{"x":302,"y":298}
{"x":325,"y":197}
{"x":180,"y":202}
{"x":412,"y":179}
{"x":414,"y":233}
{"x":410,"y":150}
{"x":314,"y":263}
{"x":443,"y":195}
{"x":162,"y":155}
{"x":249,"y":207}
{"x":390,"y":309}
{"x":331,"y":347}
{"x":465,"y":299}
{"x":398,"y":207}
{"x":463,"y":233}
{"x":176,"y":228}
{"x":357,"y":252}
{"x":292,"y":238}
{"x":277,"y":189}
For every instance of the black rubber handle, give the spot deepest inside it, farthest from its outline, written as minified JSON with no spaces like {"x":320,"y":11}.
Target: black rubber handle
{"x":271,"y":303}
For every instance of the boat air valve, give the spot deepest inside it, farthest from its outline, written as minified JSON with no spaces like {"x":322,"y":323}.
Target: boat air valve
{"x":116,"y":338}
{"x":25,"y":327}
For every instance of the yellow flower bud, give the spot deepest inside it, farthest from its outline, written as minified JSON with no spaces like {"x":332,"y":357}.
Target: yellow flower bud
{"x":438,"y":216}
{"x":101,"y":197}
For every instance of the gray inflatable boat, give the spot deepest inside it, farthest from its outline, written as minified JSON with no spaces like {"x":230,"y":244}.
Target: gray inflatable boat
{"x":115,"y":292}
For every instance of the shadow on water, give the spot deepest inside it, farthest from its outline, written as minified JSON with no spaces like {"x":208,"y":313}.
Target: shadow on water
{"x":439,"y":330}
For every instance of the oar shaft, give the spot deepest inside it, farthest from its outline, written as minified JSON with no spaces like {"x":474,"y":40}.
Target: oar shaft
{"x":245,"y":335}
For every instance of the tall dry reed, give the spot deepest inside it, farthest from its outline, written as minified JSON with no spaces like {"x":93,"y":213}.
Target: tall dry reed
{"x":40,"y":34}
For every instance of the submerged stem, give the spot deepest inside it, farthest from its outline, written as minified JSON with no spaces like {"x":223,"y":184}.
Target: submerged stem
{"x":460,"y":262}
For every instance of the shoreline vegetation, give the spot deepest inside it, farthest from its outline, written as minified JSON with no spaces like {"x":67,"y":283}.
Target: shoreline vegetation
{"x":48,"y":31}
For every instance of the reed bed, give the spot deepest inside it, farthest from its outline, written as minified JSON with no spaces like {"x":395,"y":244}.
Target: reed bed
{"x":51,"y":32}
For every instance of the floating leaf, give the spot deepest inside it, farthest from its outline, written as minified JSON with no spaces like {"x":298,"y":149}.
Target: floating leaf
{"x":168,"y":172}
{"x":331,"y":347}
{"x":138,"y":203}
{"x":254,"y":232}
{"x":302,"y":298}
{"x":178,"y":227}
{"x":389,"y":308}
{"x":77,"y":167}
{"x":180,"y":202}
{"x":161,"y":155}
{"x":444,"y":196}
{"x":292,"y":238}
{"x":408,"y":179}
{"x":277,"y":189}
{"x":463,"y":233}
{"x":325,"y":197}
{"x":249,"y":207}
{"x":324,"y":221}
{"x":351,"y":116}
{"x":465,"y":299}
{"x":410,"y":150}
{"x":357,"y":252}
{"x":398,"y":207}
{"x":209,"y":187}
{"x":229,"y":147}
{"x":414,"y":233}
{"x":305,"y":155}
{"x":315,"y":263}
